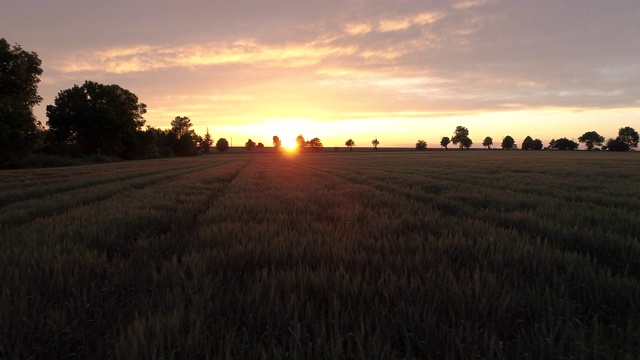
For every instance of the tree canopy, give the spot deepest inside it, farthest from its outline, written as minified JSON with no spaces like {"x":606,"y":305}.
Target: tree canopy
{"x":95,"y":118}
{"x":445,"y":142}
{"x":421,"y":145}
{"x":564,"y":144}
{"x":375,"y":143}
{"x":277,"y":143}
{"x":350,"y":144}
{"x":222,"y":145}
{"x":628,"y":136}
{"x":461,"y":136}
{"x":591,"y":139}
{"x":527,"y":143}
{"x":249,"y":145}
{"x":507,"y":143}
{"x":488,"y":141}
{"x":20,"y":72}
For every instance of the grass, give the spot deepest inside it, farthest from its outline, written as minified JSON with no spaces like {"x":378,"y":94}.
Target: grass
{"x":478,"y":254}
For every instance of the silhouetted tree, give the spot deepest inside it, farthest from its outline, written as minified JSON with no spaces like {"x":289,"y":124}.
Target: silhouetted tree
{"x":507,"y":143}
{"x":527,"y":144}
{"x":565,"y":144}
{"x":537,"y":144}
{"x":445,"y":142}
{"x":183,"y":140}
{"x":591,"y":139}
{"x":350,"y":144}
{"x":315,"y":144}
{"x":300,"y":142}
{"x":375,"y":143}
{"x":180,"y":125}
{"x":421,"y":145}
{"x":488,"y":141}
{"x":95,"y":118}
{"x":260,"y":145}
{"x":277,"y":144}
{"x":207,"y":142}
{"x":629,"y":136}
{"x":552,"y":144}
{"x":616,"y":145}
{"x":249,"y":145}
{"x":461,"y":136}
{"x":20,"y":132}
{"x":222,"y":145}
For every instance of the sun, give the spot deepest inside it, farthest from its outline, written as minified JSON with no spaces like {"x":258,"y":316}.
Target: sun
{"x":289,"y":144}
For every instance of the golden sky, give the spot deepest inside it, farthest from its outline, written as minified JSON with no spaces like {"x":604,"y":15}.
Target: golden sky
{"x":338,"y":69}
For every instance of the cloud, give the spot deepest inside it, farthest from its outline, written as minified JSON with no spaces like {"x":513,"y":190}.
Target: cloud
{"x":243,"y":51}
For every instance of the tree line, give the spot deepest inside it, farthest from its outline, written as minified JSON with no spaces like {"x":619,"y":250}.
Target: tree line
{"x":626,"y":140}
{"x":100,"y":119}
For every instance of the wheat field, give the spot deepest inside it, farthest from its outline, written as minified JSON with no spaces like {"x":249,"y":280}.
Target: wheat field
{"x":370,"y":255}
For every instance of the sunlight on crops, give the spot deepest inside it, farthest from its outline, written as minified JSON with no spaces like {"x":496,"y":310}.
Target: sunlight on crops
{"x":464,"y":254}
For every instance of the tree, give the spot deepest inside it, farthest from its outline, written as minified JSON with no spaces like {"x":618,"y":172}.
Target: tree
{"x":527,"y":144}
{"x":260,"y":145}
{"x":207,"y":142}
{"x":629,"y":136}
{"x":565,"y":144}
{"x":300,"y":142}
{"x":222,"y":145}
{"x":350,"y":144}
{"x":591,"y":139}
{"x":277,"y":144}
{"x":488,"y":141}
{"x":19,"y":77}
{"x":461,"y":136}
{"x":537,"y":144}
{"x":183,"y":140}
{"x":375,"y":143}
{"x":421,"y":145}
{"x":445,"y":142}
{"x":249,"y":145}
{"x":315,"y":144}
{"x":507,"y":143}
{"x":95,"y":118}
{"x":180,"y":125}
{"x":616,"y":145}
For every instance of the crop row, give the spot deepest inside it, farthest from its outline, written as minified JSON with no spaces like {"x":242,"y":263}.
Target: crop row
{"x":334,"y":256}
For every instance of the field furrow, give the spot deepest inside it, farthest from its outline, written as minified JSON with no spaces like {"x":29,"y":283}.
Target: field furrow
{"x":331,"y":255}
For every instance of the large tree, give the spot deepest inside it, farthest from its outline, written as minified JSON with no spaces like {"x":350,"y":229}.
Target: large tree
{"x":350,"y":144}
{"x":565,"y":144}
{"x":507,"y":143}
{"x":182,"y":139}
{"x":461,"y":136}
{"x":445,"y":142}
{"x":96,"y":118}
{"x":488,"y":141}
{"x":19,"y":78}
{"x":277,"y":143}
{"x":249,"y":145}
{"x":300,"y":142}
{"x":527,"y":144}
{"x":207,"y":142}
{"x":315,"y":144}
{"x":629,"y":136}
{"x":222,"y":145}
{"x":591,"y":139}
{"x":421,"y":145}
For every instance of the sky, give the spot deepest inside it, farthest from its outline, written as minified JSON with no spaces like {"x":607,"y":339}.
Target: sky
{"x":398,"y":71}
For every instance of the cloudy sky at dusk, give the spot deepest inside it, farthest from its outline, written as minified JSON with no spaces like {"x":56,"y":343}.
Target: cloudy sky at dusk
{"x":338,"y":69}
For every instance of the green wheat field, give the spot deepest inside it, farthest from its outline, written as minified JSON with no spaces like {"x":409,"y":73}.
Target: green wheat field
{"x":334,"y":255}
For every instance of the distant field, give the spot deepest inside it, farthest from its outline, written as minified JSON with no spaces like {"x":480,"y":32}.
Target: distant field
{"x":377,"y":255}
